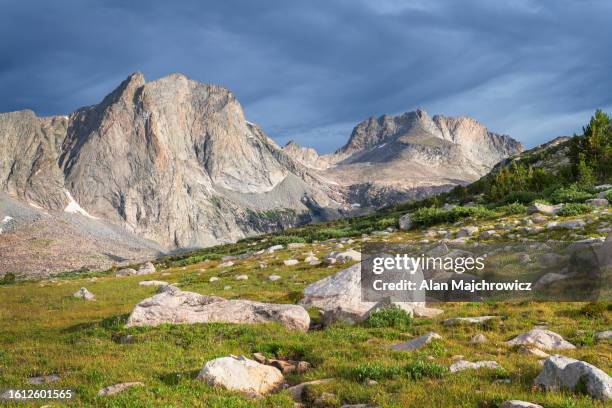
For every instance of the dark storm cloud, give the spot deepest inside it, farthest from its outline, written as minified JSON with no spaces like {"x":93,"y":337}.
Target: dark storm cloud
{"x":309,"y":70}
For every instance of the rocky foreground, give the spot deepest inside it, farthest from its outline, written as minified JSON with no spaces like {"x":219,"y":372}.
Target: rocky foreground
{"x":283,"y":325}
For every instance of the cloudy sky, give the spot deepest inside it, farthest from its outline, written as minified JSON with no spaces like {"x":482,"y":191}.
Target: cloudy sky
{"x":310,"y":70}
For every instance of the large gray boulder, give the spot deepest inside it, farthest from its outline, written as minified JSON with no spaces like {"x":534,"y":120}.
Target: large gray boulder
{"x":543,"y":339}
{"x":177,"y":307}
{"x":339,"y":296}
{"x":242,"y":374}
{"x":561,"y":372}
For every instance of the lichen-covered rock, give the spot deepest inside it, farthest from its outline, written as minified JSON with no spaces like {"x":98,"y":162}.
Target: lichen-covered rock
{"x":476,"y":365}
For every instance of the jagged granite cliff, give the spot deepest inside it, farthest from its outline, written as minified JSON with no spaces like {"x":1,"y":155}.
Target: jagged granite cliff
{"x":173,"y":163}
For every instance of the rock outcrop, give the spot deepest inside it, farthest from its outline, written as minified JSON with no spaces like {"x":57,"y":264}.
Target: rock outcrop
{"x":178,"y":307}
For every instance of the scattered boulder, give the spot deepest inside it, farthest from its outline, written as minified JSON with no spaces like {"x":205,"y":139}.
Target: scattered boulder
{"x":242,"y":277}
{"x":598,"y":202}
{"x":571,"y":224}
{"x":549,"y":278}
{"x":543,"y":208}
{"x":339,"y":296}
{"x":346,"y":256}
{"x":478,"y":339}
{"x":126,"y":272}
{"x":604,"y":335}
{"x":273,"y":278}
{"x":421,"y":311}
{"x":476,"y":365}
{"x":117,"y":388}
{"x":533,"y":351}
{"x":467,"y":231}
{"x":488,"y":234}
{"x":242,"y":374}
{"x":405,"y":222}
{"x":519,"y":404}
{"x":467,"y":320}
{"x":213,"y":279}
{"x":544,"y":339}
{"x":226,"y":264}
{"x":152,"y":283}
{"x":83,"y":293}
{"x":274,"y":248}
{"x":146,"y":269}
{"x":417,"y":342}
{"x":44,"y":379}
{"x":561,"y":372}
{"x":178,"y":307}
{"x":296,"y":392}
{"x":296,"y":245}
{"x":290,"y":262}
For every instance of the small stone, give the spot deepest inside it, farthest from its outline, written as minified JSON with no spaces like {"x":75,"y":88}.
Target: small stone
{"x":242,"y":277}
{"x":152,"y":283}
{"x":478,"y":339}
{"x":518,"y":404}
{"x":83,"y":293}
{"x":291,"y":262}
{"x":44,"y":379}
{"x":273,"y":278}
{"x":468,"y":320}
{"x":417,"y":342}
{"x":468,"y":365}
{"x":213,"y":279}
{"x":117,"y":388}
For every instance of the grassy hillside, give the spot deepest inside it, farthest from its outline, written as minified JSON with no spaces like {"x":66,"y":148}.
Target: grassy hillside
{"x":44,"y":330}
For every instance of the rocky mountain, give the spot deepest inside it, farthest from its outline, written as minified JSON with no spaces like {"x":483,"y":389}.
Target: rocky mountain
{"x":173,"y":161}
{"x":174,"y":164}
{"x":409,"y":156}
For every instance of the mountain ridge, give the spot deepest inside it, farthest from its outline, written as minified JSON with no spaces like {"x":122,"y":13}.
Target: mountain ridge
{"x":175,"y":162}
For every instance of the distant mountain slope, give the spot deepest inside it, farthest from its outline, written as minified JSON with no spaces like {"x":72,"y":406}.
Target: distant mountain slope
{"x":409,"y":156}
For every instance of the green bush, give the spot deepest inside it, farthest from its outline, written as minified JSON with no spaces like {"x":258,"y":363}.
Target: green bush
{"x":513,"y":209}
{"x":424,"y":369}
{"x":426,"y":217}
{"x":8,"y":278}
{"x":286,"y":239}
{"x":608,"y":195}
{"x":572,"y":209}
{"x":571,"y":194}
{"x":389,"y":317}
{"x":523,"y":197}
{"x":374,"y":371}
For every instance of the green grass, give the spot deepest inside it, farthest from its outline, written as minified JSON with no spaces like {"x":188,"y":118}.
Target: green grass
{"x":43,"y":330}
